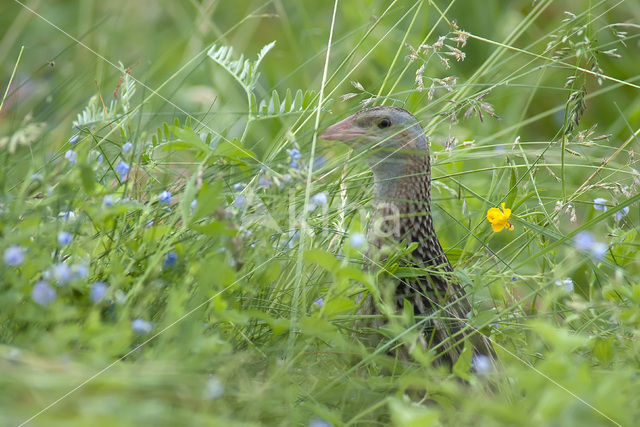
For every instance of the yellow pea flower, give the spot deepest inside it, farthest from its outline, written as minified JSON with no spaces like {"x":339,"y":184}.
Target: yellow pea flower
{"x":499,"y":218}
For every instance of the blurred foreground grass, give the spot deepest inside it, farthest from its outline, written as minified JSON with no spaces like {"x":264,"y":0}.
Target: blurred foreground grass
{"x":166,"y":262}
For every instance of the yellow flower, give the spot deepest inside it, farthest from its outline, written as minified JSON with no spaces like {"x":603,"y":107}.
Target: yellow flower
{"x":499,"y":218}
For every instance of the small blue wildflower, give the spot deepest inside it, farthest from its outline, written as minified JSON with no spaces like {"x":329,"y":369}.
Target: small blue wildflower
{"x":319,"y":199}
{"x":193,"y":204}
{"x":319,"y":162}
{"x":567,"y":283}
{"x":319,"y":302}
{"x":294,"y":236}
{"x":67,"y":215}
{"x":72,"y":156}
{"x":621,"y":213}
{"x":127,"y":147}
{"x":74,"y":139}
{"x":584,"y":240}
{"x":141,"y":326}
{"x":61,"y":273}
{"x":170,"y":259}
{"x":122,"y":169}
{"x":264,"y":182}
{"x":319,"y":422}
{"x":240,"y":201}
{"x":98,"y":292}
{"x":294,"y":153}
{"x":14,"y":256}
{"x":149,"y":223}
{"x":481,"y":364}
{"x":95,"y":155}
{"x":42,"y":293}
{"x":64,"y":238}
{"x":514,"y":278}
{"x":599,"y":250}
{"x":108,"y":200}
{"x":213,"y":389}
{"x":357,"y":240}
{"x":499,"y":149}
{"x":239,"y":186}
{"x":294,"y":165}
{"x":599,"y":204}
{"x":79,"y":271}
{"x":165,"y":197}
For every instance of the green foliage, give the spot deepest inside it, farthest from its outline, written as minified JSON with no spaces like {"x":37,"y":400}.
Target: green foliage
{"x":160,"y":265}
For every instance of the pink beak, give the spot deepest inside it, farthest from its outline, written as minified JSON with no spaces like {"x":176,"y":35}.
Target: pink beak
{"x":342,"y":131}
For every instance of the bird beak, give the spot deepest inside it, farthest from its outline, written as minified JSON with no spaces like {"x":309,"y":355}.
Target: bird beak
{"x":342,"y":131}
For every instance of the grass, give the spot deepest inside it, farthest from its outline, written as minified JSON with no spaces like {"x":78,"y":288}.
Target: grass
{"x":123,"y":305}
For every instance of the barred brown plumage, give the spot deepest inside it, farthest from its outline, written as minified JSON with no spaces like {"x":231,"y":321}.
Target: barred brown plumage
{"x":397,"y":151}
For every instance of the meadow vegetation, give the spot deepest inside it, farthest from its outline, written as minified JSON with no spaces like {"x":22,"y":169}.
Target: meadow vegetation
{"x":179,"y":248}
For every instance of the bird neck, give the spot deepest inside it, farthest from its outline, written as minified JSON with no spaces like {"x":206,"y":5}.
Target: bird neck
{"x":403,"y":203}
{"x":404,"y":183}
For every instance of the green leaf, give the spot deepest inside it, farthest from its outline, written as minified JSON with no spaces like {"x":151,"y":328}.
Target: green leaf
{"x":232,"y":150}
{"x":187,"y":139}
{"x":209,"y":198}
{"x":88,"y":178}
{"x":323,"y":259}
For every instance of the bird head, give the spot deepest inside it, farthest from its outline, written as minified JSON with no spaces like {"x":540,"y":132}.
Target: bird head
{"x":383,"y":134}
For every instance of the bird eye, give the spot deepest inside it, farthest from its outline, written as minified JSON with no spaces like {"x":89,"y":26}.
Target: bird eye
{"x":384,"y":123}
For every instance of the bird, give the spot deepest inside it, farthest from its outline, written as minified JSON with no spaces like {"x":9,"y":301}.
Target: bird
{"x":396,"y":149}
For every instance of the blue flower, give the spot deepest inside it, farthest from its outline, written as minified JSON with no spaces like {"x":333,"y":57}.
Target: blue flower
{"x":95,"y":155}
{"x":319,"y":199}
{"x":170,"y":259}
{"x":319,"y":162}
{"x":74,"y":139}
{"x":318,"y":422}
{"x":599,"y":250}
{"x":149,"y":223}
{"x":108,"y":200}
{"x":127,"y":147}
{"x":319,"y":302}
{"x":193,"y":204}
{"x":79,"y":271}
{"x":141,"y":326}
{"x":599,"y":204}
{"x":67,"y":215}
{"x":584,"y":240}
{"x":621,"y":213}
{"x":72,"y":156}
{"x":213,"y":388}
{"x":64,"y":238}
{"x":14,"y":256}
{"x":98,"y":292}
{"x":587,"y":243}
{"x":567,"y":283}
{"x":122,"y":169}
{"x":239,"y":201}
{"x":294,"y":153}
{"x":264,"y":182}
{"x":61,"y":273}
{"x":357,"y":240}
{"x":294,"y":165}
{"x":165,"y":197}
{"x":42,"y":293}
{"x":481,"y":364}
{"x":238,"y":187}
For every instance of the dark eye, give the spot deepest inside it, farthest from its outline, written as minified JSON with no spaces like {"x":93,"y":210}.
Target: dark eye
{"x":384,"y":123}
